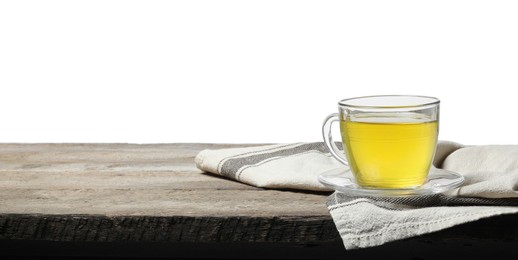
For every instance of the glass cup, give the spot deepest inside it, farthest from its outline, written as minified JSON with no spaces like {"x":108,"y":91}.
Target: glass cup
{"x":389,"y":141}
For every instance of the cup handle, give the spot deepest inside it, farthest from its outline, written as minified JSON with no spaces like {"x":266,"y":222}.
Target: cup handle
{"x":328,"y":138}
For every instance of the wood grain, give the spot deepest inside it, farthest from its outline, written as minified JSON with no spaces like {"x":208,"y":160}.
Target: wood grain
{"x":146,"y":192}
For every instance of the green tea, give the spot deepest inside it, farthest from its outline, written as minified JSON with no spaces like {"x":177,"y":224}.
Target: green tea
{"x":389,"y":152}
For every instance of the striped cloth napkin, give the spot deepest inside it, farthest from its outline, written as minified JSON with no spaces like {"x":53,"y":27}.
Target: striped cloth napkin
{"x":490,"y":188}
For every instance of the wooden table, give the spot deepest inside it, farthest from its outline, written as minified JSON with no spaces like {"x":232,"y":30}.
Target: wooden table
{"x":149,"y":200}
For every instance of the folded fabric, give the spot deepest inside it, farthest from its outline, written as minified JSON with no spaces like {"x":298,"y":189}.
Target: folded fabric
{"x":291,"y":166}
{"x":490,"y":188}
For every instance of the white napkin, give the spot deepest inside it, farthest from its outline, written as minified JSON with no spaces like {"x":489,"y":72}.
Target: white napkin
{"x":293,"y":166}
{"x":490,"y":188}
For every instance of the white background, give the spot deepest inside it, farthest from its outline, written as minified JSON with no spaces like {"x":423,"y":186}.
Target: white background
{"x":249,"y":71}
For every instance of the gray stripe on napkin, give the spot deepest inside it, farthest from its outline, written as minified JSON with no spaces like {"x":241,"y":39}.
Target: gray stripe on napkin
{"x":250,"y":153}
{"x":231,"y":166}
{"x":436,"y":200}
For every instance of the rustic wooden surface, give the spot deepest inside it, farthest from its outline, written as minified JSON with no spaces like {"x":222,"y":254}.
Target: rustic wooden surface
{"x":150,"y":192}
{"x":149,"y":200}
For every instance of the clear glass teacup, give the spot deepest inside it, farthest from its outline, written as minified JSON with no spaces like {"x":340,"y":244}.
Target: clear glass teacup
{"x":389,"y":141}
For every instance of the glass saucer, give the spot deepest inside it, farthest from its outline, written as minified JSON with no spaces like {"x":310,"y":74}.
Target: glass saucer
{"x":342,"y":180}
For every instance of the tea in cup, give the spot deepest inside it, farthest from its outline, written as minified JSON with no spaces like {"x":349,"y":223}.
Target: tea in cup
{"x":389,"y":141}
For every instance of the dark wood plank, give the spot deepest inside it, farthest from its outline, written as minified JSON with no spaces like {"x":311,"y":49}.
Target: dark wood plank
{"x":206,"y":229}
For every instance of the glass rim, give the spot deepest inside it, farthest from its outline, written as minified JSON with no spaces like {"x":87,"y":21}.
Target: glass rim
{"x":432,"y":101}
